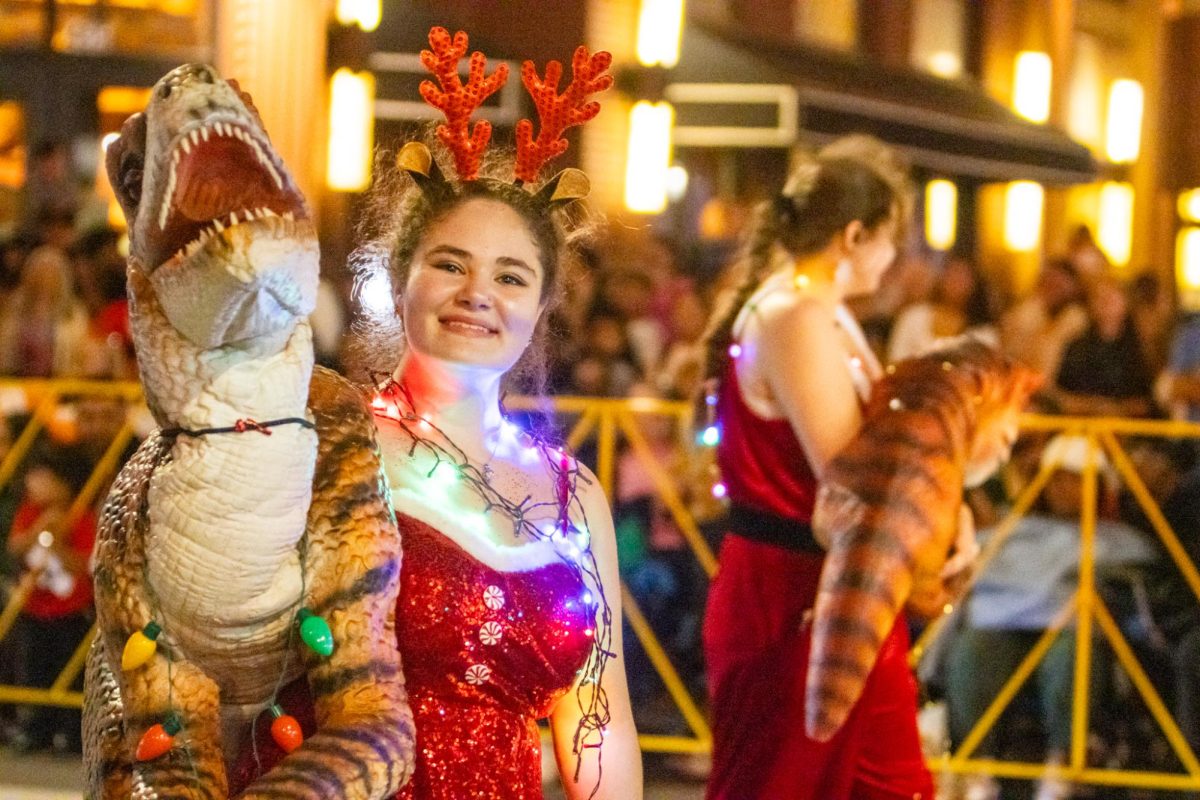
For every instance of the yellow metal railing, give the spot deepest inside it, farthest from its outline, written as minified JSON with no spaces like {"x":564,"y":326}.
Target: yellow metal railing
{"x":1088,"y":610}
{"x":611,"y":421}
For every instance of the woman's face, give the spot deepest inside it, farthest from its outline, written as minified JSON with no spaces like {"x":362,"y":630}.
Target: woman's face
{"x":870,"y":257}
{"x":473,"y":295}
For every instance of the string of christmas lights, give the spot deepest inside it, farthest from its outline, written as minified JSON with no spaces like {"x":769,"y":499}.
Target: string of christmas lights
{"x":142,"y":645}
{"x":450,"y":461}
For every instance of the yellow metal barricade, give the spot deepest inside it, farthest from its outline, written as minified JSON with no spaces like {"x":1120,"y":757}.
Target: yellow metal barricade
{"x":1088,"y":610}
{"x":611,"y":422}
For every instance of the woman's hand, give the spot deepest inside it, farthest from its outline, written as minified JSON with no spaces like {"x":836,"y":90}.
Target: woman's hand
{"x":959,"y":568}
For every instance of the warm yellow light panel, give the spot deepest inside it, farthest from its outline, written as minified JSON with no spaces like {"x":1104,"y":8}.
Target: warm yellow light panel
{"x":1124,"y":127}
{"x":1187,"y":268}
{"x":123,"y":100}
{"x":1115,"y":229}
{"x":366,"y":14}
{"x":351,"y":130}
{"x":941,"y":214}
{"x":660,"y":28}
{"x":1188,"y":205}
{"x":649,"y":157}
{"x":1023,"y":201}
{"x":1031,"y":85}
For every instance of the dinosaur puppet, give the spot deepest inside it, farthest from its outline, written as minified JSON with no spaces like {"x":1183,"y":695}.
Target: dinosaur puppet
{"x":256,"y":503}
{"x":889,"y":507}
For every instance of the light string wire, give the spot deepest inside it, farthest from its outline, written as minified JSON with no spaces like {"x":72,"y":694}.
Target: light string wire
{"x":596,"y":716}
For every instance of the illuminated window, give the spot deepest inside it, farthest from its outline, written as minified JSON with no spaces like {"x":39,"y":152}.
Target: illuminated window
{"x":12,"y":148}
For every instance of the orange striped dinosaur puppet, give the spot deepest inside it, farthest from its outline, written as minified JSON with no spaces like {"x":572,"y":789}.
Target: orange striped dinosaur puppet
{"x":889,"y":506}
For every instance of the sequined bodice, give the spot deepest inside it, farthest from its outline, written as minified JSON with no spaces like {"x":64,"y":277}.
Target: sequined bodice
{"x":486,"y":653}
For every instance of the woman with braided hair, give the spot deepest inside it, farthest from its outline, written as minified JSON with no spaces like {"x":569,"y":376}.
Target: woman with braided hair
{"x":788,"y":372}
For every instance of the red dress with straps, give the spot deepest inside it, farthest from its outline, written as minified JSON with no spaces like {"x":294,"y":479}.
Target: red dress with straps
{"x":756,"y":640}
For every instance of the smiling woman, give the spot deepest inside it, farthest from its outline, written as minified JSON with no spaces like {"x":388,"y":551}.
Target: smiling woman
{"x":474,"y":291}
{"x":508,"y":608}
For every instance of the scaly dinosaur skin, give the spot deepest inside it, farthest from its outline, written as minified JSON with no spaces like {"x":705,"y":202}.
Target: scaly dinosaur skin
{"x":220,"y":538}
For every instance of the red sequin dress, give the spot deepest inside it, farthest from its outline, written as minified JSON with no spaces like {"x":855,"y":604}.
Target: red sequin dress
{"x":486,"y":654}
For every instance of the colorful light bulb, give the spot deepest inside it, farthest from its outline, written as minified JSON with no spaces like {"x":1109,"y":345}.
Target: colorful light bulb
{"x":315,"y":632}
{"x":285,"y":730}
{"x":158,"y":739}
{"x":140,"y":647}
{"x":710,"y":436}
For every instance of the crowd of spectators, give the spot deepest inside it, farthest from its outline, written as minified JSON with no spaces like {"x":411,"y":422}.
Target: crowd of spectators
{"x":635,"y":310}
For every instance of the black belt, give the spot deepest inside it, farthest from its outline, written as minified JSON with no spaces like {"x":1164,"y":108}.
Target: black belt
{"x":768,"y":528}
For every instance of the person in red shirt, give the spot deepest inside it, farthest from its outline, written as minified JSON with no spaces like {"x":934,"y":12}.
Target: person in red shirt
{"x":58,"y":612}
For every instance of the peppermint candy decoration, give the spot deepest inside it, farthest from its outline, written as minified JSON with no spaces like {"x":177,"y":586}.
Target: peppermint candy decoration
{"x":478,"y":674}
{"x":493,"y":597}
{"x":490,"y":633}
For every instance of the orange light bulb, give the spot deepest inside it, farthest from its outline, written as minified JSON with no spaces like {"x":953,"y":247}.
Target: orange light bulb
{"x":158,"y":739}
{"x":285,"y":730}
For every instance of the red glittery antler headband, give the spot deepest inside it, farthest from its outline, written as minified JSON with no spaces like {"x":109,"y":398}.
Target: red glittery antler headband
{"x":556,"y":112}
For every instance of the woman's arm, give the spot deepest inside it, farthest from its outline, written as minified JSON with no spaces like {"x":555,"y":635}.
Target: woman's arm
{"x":622,"y":760}
{"x":803,"y":359}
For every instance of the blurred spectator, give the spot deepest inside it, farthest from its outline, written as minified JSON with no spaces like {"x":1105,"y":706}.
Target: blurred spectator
{"x":656,"y":562}
{"x":960,"y":306}
{"x":1178,"y":385}
{"x":909,"y":281}
{"x":606,"y":366}
{"x":13,"y":253}
{"x":1085,"y":255}
{"x":1037,"y":329}
{"x":679,"y":376}
{"x":96,"y":264}
{"x":1018,"y":595}
{"x":54,"y":227}
{"x":628,"y":295}
{"x":57,"y":613}
{"x":1103,"y":371}
{"x":50,"y":193}
{"x":44,"y":325}
{"x":1171,"y":622}
{"x":1151,"y":307}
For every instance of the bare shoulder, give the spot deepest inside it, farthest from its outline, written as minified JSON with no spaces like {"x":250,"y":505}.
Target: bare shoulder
{"x":591,"y":495}
{"x":598,"y":512}
{"x":797,"y":321}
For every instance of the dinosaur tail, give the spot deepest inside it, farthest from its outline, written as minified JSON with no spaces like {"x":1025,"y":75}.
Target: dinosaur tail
{"x":864,"y":582}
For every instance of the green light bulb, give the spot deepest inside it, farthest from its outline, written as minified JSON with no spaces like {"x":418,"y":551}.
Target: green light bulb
{"x":315,"y":632}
